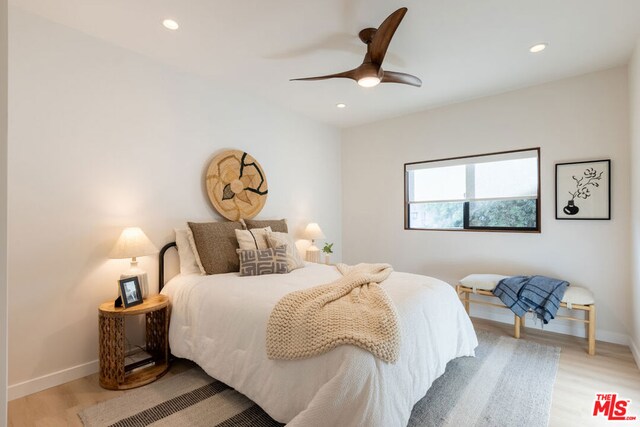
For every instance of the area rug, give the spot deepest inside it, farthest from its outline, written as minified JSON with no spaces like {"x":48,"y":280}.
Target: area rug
{"x":508,"y":383}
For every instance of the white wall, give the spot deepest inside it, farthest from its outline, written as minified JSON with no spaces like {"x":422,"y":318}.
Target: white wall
{"x":634,"y":90}
{"x":102,"y":138}
{"x":3,"y":211}
{"x":580,"y":118}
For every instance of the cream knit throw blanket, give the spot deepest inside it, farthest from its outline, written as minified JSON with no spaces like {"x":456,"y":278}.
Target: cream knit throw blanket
{"x":352,"y":310}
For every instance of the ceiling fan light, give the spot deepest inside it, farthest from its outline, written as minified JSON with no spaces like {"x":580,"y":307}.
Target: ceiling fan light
{"x":369,"y":81}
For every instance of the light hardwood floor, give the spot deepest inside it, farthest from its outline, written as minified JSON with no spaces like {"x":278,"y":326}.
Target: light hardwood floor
{"x":579,"y":378}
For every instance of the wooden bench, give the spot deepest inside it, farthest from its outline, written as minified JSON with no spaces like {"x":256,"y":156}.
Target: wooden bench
{"x":575,"y":298}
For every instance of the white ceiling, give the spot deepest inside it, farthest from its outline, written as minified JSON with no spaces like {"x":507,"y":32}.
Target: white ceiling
{"x":461,"y":49}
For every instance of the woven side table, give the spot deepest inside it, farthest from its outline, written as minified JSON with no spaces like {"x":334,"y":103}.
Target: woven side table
{"x":114,"y":374}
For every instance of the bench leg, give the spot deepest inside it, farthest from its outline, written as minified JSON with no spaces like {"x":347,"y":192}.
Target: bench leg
{"x":466,"y":302}
{"x":522,"y":320}
{"x":516,"y":326}
{"x":592,"y":330}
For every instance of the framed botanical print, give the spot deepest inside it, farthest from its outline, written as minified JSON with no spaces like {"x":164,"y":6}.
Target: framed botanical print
{"x":583,"y":190}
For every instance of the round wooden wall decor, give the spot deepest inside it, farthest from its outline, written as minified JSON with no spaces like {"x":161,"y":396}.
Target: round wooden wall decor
{"x":236,"y":185}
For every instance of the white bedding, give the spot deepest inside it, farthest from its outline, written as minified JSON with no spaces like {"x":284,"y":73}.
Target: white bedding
{"x":220,"y":323}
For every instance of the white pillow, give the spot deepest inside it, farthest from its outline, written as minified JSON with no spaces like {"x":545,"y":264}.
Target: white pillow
{"x":256,"y":238}
{"x":485,"y":282}
{"x":294,"y":260}
{"x":188,"y":262}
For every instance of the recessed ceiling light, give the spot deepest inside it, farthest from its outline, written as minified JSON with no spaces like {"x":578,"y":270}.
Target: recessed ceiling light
{"x":536,"y":48}
{"x":341,"y":105}
{"x":170,"y":24}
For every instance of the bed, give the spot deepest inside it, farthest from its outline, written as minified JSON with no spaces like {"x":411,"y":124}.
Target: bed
{"x":219,"y":322}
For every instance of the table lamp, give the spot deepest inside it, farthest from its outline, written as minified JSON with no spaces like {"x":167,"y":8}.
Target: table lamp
{"x":133,"y":243}
{"x":313,"y":232}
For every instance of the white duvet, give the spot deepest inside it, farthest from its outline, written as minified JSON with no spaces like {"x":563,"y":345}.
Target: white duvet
{"x":220,"y":323}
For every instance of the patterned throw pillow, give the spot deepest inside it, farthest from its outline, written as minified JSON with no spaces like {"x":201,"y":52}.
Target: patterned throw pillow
{"x":256,"y":262}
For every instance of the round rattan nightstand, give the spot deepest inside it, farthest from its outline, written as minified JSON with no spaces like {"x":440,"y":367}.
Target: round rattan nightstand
{"x":114,"y":374}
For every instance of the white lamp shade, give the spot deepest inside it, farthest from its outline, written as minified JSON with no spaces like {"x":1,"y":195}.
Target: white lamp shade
{"x":133,"y":243}
{"x":313,"y":232}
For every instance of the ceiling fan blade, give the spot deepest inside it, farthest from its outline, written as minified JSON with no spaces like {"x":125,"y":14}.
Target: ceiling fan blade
{"x":384,"y":34}
{"x":351,"y":74}
{"x":395,"y":77}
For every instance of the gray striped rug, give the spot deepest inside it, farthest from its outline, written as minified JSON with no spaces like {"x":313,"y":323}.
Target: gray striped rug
{"x":508,"y":383}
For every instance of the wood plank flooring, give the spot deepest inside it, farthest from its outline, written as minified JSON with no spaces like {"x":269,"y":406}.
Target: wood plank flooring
{"x":579,"y":378}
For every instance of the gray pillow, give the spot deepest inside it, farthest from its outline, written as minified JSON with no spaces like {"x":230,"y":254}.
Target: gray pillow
{"x":216,"y":244}
{"x":256,"y":262}
{"x":279,"y":225}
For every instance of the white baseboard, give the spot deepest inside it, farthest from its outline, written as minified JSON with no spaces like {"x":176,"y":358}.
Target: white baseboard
{"x":51,"y":380}
{"x":560,"y":326}
{"x":635,"y":350}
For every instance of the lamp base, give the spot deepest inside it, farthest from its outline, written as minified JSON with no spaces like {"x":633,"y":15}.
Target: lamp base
{"x":313,"y":254}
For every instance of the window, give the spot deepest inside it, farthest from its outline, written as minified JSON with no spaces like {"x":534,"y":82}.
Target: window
{"x":499,"y":191}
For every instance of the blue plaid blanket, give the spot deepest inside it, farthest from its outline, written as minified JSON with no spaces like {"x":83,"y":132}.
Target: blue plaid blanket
{"x":538,"y":293}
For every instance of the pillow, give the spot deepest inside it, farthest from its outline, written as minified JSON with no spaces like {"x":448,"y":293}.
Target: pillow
{"x":255,"y":238}
{"x":216,"y":245}
{"x":485,"y":282}
{"x":188,"y":263}
{"x":294,"y":260}
{"x":279,"y":225}
{"x":256,"y":262}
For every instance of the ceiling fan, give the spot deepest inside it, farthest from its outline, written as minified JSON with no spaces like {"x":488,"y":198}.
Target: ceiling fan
{"x":370,"y":72}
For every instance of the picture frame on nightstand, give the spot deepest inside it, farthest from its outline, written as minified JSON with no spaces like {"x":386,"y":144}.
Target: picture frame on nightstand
{"x":130,"y":291}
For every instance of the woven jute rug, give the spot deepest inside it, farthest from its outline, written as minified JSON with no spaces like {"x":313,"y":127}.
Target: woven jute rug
{"x":508,"y":383}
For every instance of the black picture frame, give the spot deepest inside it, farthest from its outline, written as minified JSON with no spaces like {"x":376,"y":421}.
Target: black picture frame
{"x":130,"y":291}
{"x":592,"y":180}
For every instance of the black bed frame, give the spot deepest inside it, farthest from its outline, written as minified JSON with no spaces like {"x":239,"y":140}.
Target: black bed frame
{"x":164,"y":249}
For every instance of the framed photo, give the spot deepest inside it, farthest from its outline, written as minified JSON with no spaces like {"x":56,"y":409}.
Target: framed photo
{"x":130,"y":291}
{"x":583,"y":190}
